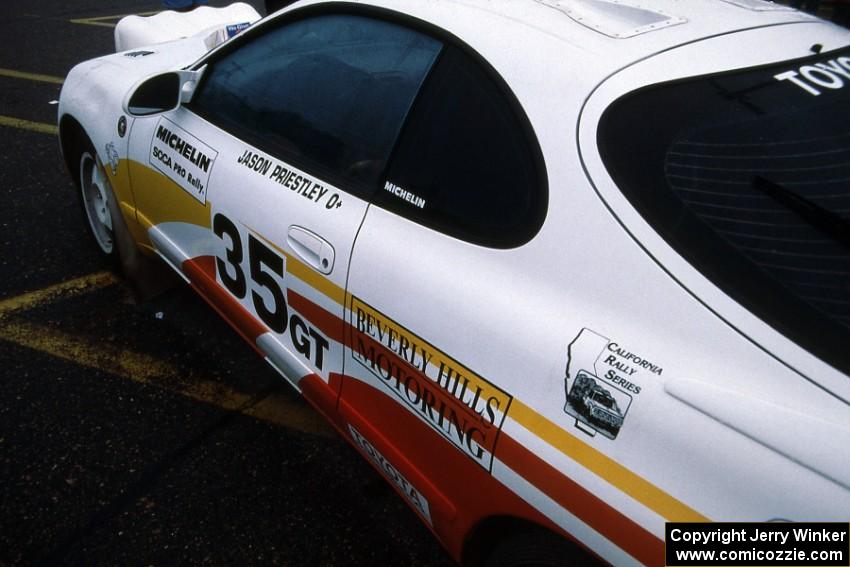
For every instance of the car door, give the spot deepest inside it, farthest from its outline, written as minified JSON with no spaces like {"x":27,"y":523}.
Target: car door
{"x":256,"y":189}
{"x":435,"y":279}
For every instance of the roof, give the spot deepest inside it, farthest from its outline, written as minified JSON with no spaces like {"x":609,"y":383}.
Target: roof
{"x":629,"y":27}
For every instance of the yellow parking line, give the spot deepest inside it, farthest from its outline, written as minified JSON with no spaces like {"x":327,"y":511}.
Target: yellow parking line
{"x":75,"y":286}
{"x":89,"y":22}
{"x":144,"y":369}
{"x":103,"y":20}
{"x":30,"y":76}
{"x":141,"y":368}
{"x":22,"y":124}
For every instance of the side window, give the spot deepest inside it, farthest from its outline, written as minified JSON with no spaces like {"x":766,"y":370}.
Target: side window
{"x":467,"y":163}
{"x":328,"y":93}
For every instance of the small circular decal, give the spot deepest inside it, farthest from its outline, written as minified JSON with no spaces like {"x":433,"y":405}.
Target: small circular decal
{"x":122,"y":126}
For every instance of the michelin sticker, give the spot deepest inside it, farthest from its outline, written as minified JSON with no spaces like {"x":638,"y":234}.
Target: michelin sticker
{"x":603,"y":379}
{"x":182,"y":158}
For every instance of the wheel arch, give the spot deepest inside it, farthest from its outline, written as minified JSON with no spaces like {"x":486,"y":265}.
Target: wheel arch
{"x":71,"y":137}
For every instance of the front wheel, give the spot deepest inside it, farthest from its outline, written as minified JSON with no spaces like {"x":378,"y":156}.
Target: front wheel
{"x":149,"y":277}
{"x":96,"y":197}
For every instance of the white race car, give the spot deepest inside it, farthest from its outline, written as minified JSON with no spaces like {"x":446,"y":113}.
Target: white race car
{"x":561,"y":270}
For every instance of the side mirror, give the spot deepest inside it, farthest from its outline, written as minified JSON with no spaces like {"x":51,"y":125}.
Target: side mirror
{"x":162,"y":92}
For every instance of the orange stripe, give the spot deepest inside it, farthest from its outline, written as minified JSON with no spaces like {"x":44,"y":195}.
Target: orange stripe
{"x":596,"y":513}
{"x":662,"y":503}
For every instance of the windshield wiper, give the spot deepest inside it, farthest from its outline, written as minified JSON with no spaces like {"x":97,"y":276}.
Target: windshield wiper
{"x":820,"y":218}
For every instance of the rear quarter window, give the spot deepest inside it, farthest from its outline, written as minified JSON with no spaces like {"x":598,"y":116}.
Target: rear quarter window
{"x":467,"y":163}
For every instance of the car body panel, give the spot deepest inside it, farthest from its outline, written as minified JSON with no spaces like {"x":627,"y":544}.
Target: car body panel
{"x":590,"y":380}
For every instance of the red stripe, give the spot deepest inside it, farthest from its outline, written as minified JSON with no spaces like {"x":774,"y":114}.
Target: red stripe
{"x":204,"y":263}
{"x":596,"y":513}
{"x":615,"y":526}
{"x":472,"y":492}
{"x":331,"y":325}
{"x":201,"y":272}
{"x":628,"y":535}
{"x":324,"y":397}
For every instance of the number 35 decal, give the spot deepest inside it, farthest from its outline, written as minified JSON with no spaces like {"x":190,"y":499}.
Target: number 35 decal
{"x":266,"y":269}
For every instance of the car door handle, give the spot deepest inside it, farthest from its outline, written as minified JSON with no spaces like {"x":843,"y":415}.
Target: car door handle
{"x":312,"y":248}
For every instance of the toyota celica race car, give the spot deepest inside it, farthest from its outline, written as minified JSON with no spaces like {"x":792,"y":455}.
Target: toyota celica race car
{"x":561,"y":270}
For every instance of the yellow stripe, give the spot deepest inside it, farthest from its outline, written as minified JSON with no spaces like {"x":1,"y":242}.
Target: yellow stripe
{"x":28,"y":125}
{"x":32,"y":299}
{"x":638,"y":488}
{"x":30,"y":76}
{"x":306,"y":273}
{"x":162,"y":200}
{"x":314,"y":279}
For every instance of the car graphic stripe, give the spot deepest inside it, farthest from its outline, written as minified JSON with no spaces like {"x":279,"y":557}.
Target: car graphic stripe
{"x":605,"y":467}
{"x":164,"y":200}
{"x":330,"y":324}
{"x":595,"y":512}
{"x":594,"y":460}
{"x":592,"y":510}
{"x":201,"y":272}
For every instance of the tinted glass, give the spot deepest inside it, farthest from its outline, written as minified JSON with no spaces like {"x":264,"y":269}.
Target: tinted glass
{"x":329,"y":93}
{"x":748,"y":175}
{"x":467,"y":163}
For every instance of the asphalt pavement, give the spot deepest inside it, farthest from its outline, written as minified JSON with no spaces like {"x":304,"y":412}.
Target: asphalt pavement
{"x":146,"y":432}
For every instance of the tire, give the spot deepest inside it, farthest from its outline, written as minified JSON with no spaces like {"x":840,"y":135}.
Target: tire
{"x":98,"y":202}
{"x":537,"y":548}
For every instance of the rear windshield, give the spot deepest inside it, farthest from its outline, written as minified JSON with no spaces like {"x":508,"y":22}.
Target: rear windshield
{"x":747,"y":175}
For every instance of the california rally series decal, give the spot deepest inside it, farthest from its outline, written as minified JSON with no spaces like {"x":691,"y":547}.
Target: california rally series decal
{"x":183,"y":158}
{"x":464,"y":408}
{"x":603,"y":379}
